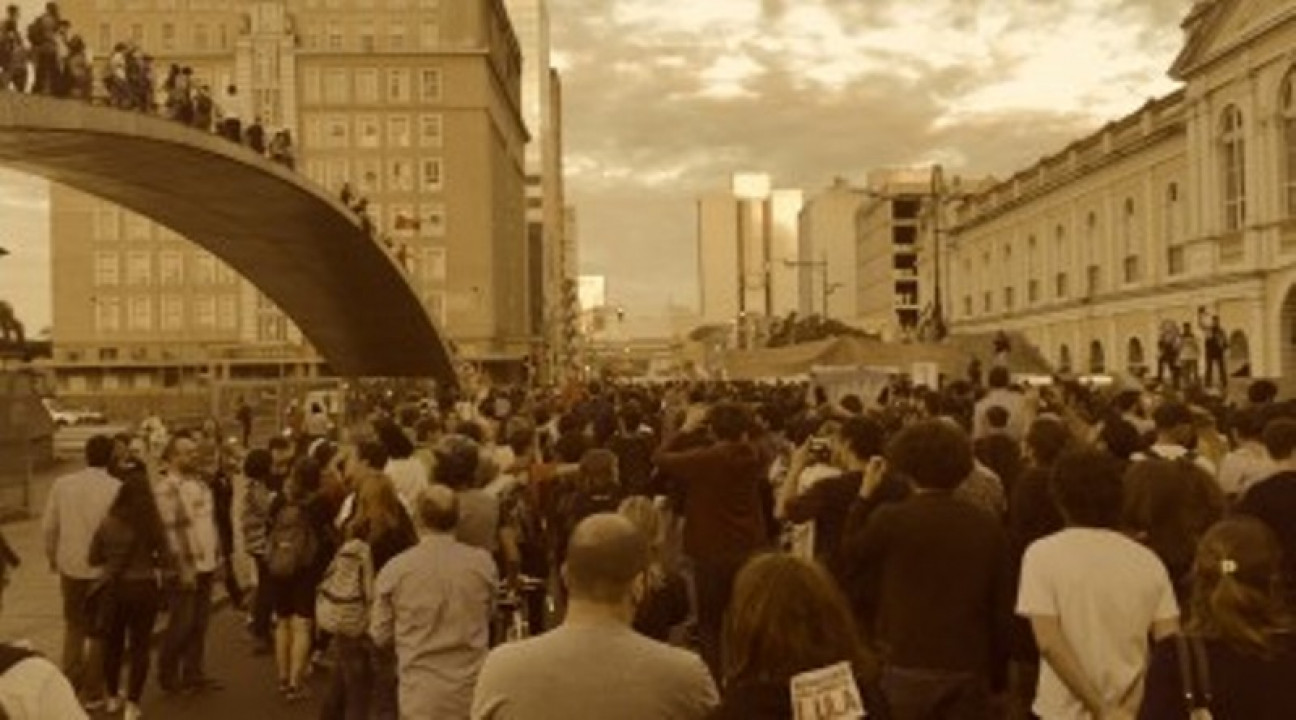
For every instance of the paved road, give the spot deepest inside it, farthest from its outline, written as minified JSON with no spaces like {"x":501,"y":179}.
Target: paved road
{"x":250,"y":683}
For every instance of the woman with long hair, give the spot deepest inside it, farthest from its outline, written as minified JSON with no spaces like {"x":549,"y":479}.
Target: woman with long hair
{"x":665,"y":603}
{"x":788,"y":619}
{"x":132,"y":547}
{"x":299,"y":517}
{"x":1242,"y":627}
{"x":365,"y":681}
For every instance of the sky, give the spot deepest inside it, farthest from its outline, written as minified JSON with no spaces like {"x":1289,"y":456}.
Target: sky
{"x":664,"y":99}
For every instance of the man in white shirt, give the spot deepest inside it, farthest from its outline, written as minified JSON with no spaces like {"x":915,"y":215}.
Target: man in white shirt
{"x":31,"y":687}
{"x":1176,"y":433}
{"x":409,"y":475}
{"x":1003,"y":396}
{"x":1250,"y":462}
{"x":594,"y":665}
{"x":77,"y":505}
{"x":1093,"y":597}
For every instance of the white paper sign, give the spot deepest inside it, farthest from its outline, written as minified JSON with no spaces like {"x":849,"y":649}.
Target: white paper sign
{"x":827,"y":694}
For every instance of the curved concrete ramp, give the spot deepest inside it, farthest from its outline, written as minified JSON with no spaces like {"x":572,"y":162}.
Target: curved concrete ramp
{"x":287,"y":236}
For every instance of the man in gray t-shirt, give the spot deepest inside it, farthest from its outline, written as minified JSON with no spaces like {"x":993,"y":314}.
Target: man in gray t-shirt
{"x":594,"y":665}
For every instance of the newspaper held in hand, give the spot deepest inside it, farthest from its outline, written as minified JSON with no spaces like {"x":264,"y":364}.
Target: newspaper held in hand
{"x":827,"y":694}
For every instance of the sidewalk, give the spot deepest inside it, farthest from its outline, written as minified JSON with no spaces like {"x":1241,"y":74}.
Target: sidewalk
{"x":33,"y":604}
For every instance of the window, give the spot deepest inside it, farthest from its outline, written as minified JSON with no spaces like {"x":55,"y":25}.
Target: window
{"x":434,"y":264}
{"x":139,"y":315}
{"x":400,"y":175}
{"x":1173,"y":214}
{"x":338,"y":171}
{"x":1061,"y":288}
{"x":368,"y":44}
{"x":227,"y":312}
{"x":337,"y":86}
{"x":171,"y":268}
{"x":1289,"y":137}
{"x":431,"y":129}
{"x":138,"y":227}
{"x":429,"y":34}
{"x":105,"y":37}
{"x":107,"y":312}
{"x":107,"y":269}
{"x":312,"y":86}
{"x":432,"y":220}
{"x":205,"y":312}
{"x":398,"y":85}
{"x":1175,"y":264}
{"x":430,"y":85}
{"x":168,"y":36}
{"x":369,"y":172}
{"x":987,"y":301}
{"x":396,"y":36}
{"x":107,"y":221}
{"x":1233,"y":168}
{"x":367,"y":133}
{"x":201,"y":37}
{"x":337,"y":131}
{"x":205,"y":268}
{"x":967,"y":306}
{"x":1032,"y":291}
{"x":336,"y":38}
{"x":1132,"y":266}
{"x":137,"y":34}
{"x":172,"y":312}
{"x":139,"y":268}
{"x":403,"y":221}
{"x":225,"y":274}
{"x":1097,"y":358}
{"x":1093,"y":279}
{"x":1135,"y":362}
{"x":1010,"y":299}
{"x":398,"y":131}
{"x":366,"y":82}
{"x":431,"y":173}
{"x":1133,"y":269}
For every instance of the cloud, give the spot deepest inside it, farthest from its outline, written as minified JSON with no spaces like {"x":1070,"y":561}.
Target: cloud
{"x":666,"y":98}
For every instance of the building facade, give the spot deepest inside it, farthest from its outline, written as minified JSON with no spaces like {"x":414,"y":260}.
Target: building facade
{"x":415,"y":103}
{"x":887,"y":232}
{"x":827,"y":227}
{"x":1185,"y":207}
{"x":750,"y":261}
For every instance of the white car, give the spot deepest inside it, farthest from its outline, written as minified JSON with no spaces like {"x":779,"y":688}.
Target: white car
{"x":67,"y":417}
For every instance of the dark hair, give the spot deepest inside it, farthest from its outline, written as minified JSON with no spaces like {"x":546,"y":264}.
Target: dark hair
{"x":135,"y":507}
{"x":1086,"y":485}
{"x":787,"y":616}
{"x":1169,"y":504}
{"x":852,"y":404}
{"x":863,"y":436}
{"x":279,"y":442}
{"x":1046,"y":438}
{"x":394,"y":440}
{"x":1280,"y":438}
{"x":729,"y":421}
{"x":471,"y":430}
{"x":1262,"y":392}
{"x":257,"y":464}
{"x":372,"y":453}
{"x":168,"y":451}
{"x":1172,"y":414}
{"x":999,"y":377}
{"x":997,"y":417}
{"x":306,"y":478}
{"x":1126,"y":400}
{"x":1237,"y":587}
{"x":935,"y":454}
{"x":1120,"y":438}
{"x":99,"y":451}
{"x":1249,"y":423}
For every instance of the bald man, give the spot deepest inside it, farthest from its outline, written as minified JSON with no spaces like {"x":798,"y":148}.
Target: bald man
{"x":434,"y":603}
{"x":594,"y":665}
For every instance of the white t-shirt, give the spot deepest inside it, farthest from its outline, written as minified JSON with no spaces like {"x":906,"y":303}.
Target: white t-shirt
{"x":34,"y":689}
{"x":1107,"y":591}
{"x":410,"y":478}
{"x":1242,"y":468}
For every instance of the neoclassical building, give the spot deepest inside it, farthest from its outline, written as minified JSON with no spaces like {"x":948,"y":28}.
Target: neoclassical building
{"x":1188,"y":203}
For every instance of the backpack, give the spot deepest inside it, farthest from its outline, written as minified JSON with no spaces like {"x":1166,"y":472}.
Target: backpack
{"x":343,"y":599}
{"x":292,"y":545}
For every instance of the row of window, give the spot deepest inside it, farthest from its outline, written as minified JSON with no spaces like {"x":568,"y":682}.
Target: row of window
{"x":370,"y":36}
{"x":167,"y":313}
{"x":429,"y":5}
{"x":370,"y":176}
{"x":373,"y":132}
{"x":136,"y":268}
{"x":165,"y":36}
{"x":344,"y":86}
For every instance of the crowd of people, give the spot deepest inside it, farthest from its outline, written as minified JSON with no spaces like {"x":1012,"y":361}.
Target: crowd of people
{"x":722,"y":550}
{"x":48,"y":58}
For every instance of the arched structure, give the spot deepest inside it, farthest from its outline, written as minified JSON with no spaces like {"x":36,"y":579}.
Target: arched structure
{"x":1097,"y":358}
{"x":1064,"y":358}
{"x":289,"y":237}
{"x":1239,"y":354}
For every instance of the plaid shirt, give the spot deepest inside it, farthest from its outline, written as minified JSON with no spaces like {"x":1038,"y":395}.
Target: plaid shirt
{"x":188,"y":515}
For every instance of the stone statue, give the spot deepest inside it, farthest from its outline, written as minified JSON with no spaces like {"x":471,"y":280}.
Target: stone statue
{"x":10,"y":328}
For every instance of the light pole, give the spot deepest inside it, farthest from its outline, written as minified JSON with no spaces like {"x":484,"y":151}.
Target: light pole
{"x":938,"y":305}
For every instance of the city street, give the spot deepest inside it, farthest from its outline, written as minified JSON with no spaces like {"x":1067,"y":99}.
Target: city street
{"x":250,"y":687}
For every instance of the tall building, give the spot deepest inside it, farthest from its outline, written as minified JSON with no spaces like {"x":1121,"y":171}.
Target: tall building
{"x":887,"y":243}
{"x":1186,"y":207}
{"x":416,"y":103}
{"x":554,"y":312}
{"x":827,"y":227}
{"x":750,"y":261}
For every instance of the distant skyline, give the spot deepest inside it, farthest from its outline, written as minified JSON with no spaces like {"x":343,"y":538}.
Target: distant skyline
{"x":666,"y":98}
